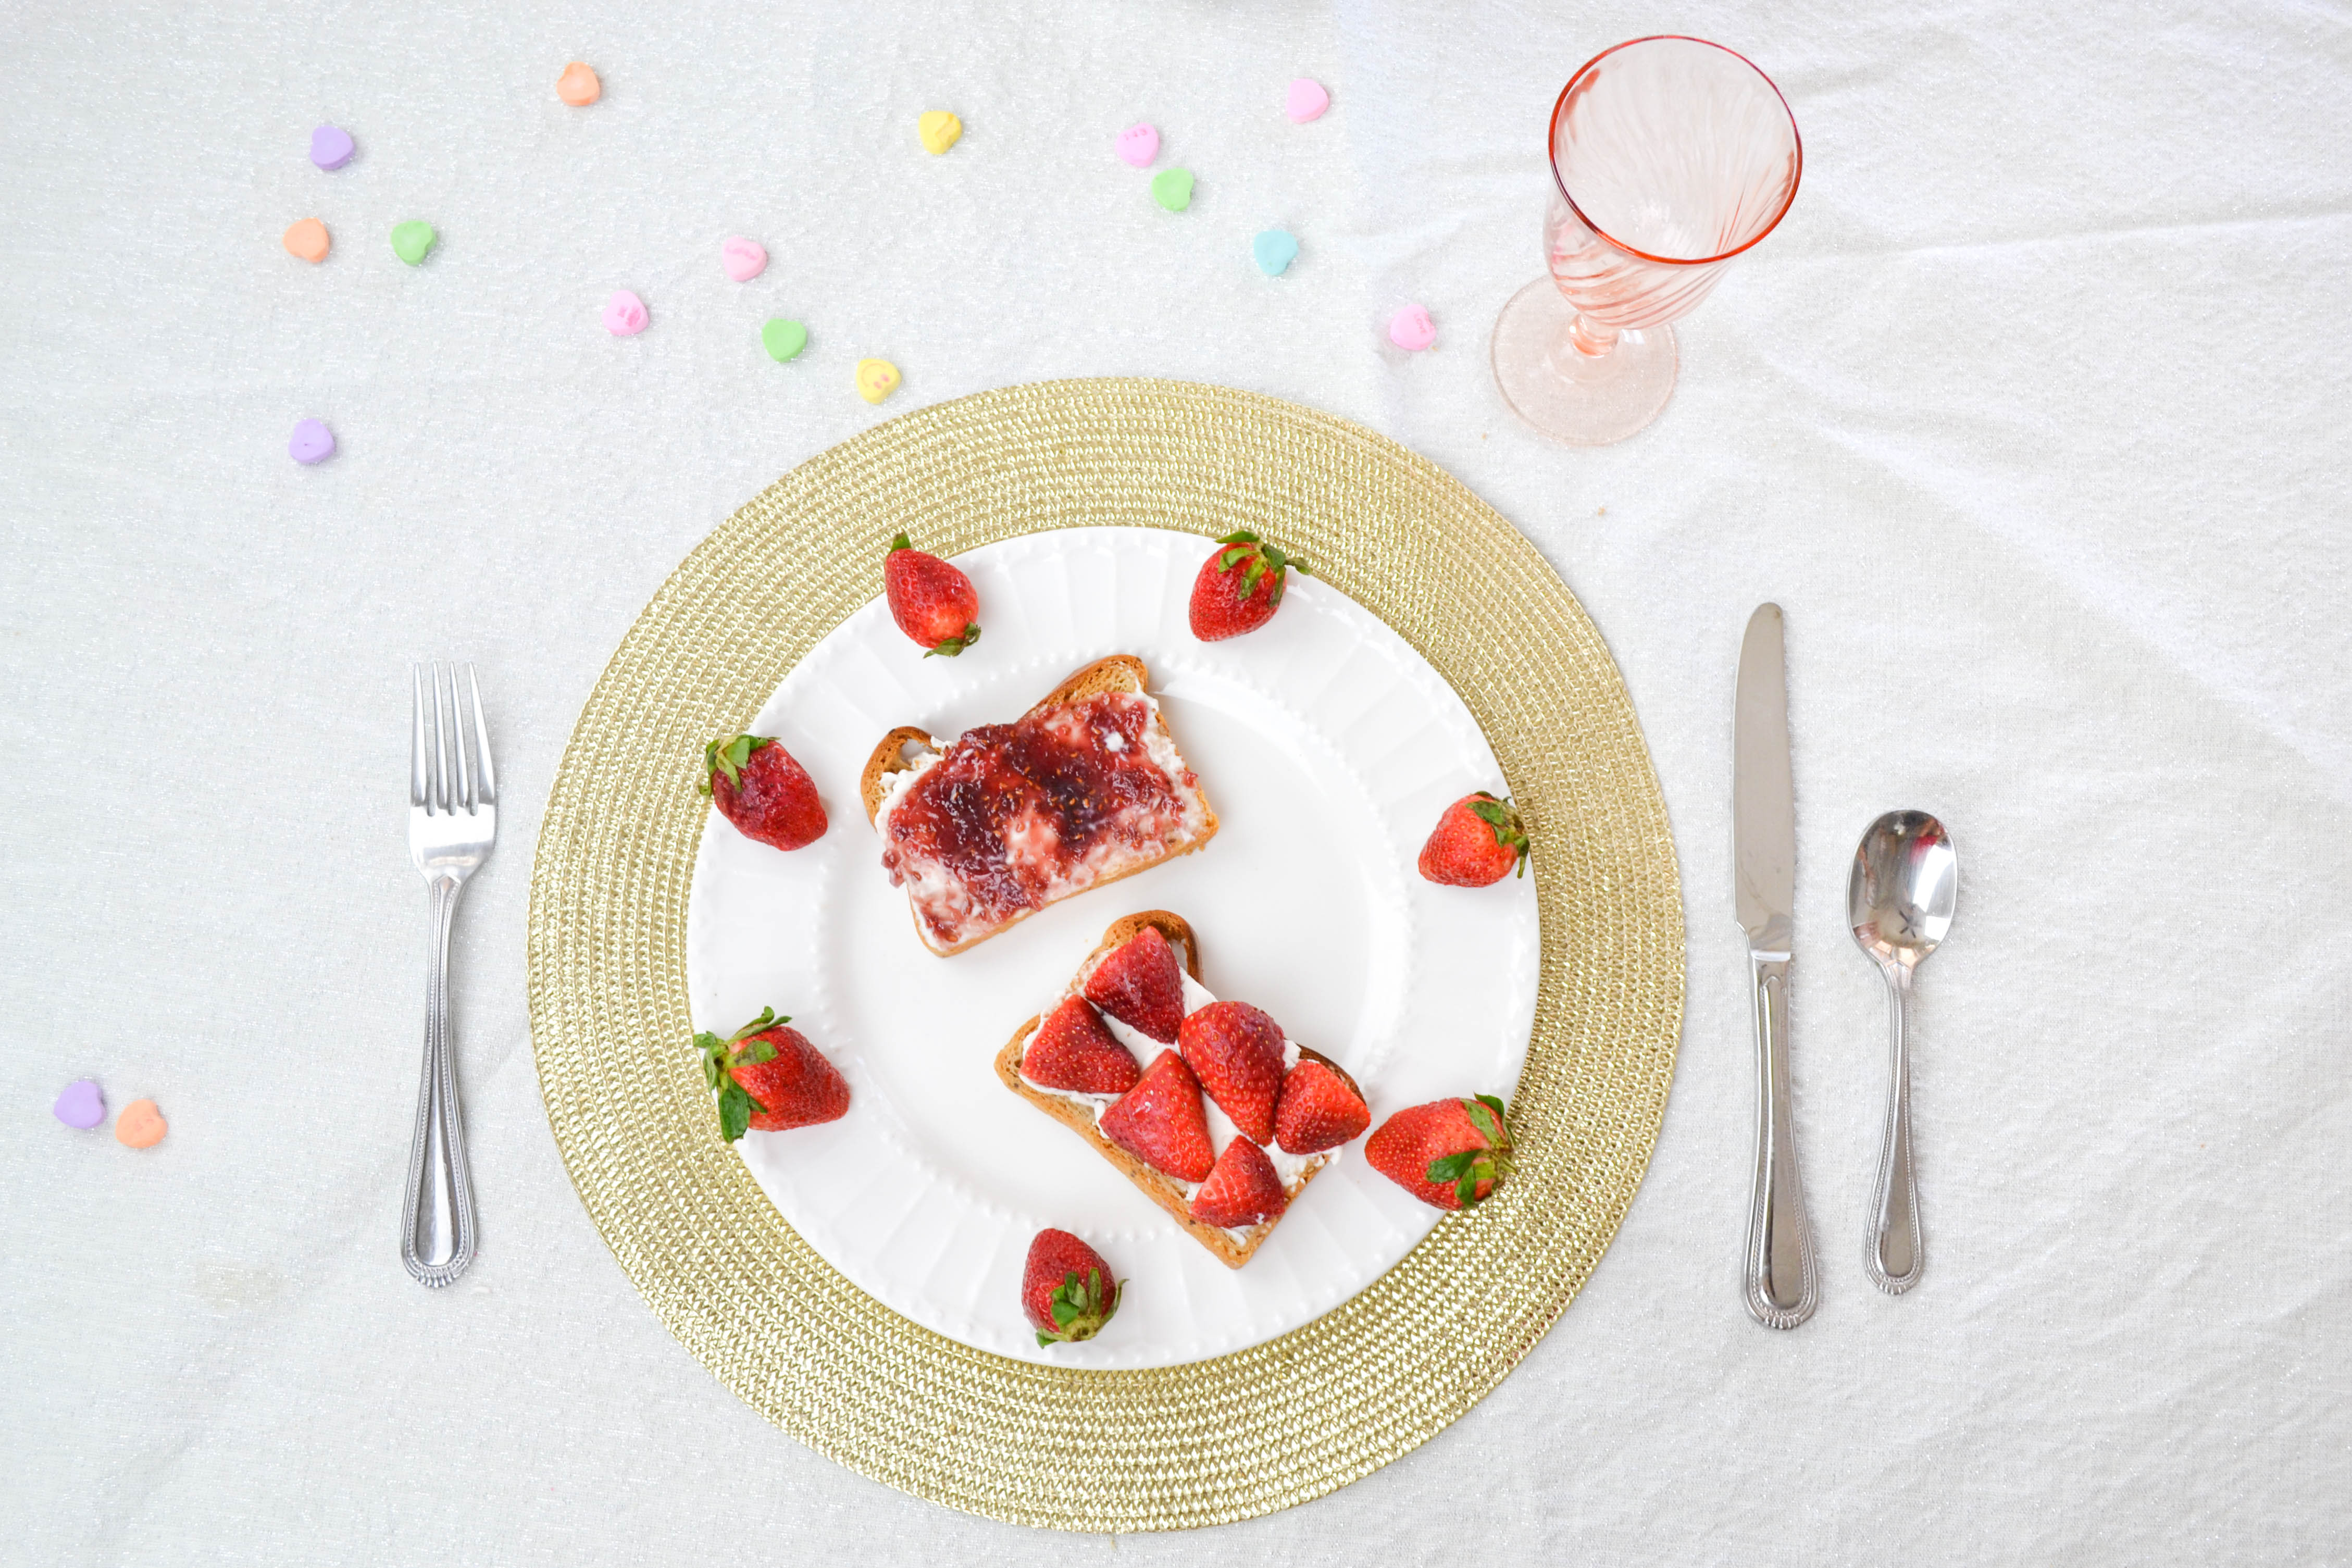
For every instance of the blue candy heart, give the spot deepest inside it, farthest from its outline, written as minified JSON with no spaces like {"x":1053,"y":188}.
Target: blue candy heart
{"x":1275,"y":249}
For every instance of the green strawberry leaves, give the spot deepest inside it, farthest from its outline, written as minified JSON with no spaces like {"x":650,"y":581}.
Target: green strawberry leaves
{"x":1262,"y":559}
{"x":900,"y":543}
{"x":1503,"y":817}
{"x":730,"y":754}
{"x":951,"y":646}
{"x":1465,"y":1168}
{"x":736,"y":1106}
{"x":1079,"y":1308}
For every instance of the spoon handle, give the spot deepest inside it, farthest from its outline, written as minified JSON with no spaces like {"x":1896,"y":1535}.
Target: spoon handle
{"x":1780,"y":1288}
{"x":1894,"y":1256}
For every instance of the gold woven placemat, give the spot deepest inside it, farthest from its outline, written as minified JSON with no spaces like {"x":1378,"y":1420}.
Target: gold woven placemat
{"x":1209,"y":1441}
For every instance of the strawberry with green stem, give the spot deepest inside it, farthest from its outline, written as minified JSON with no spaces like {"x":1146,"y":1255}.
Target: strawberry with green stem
{"x":1477,"y":842}
{"x":1067,"y":1292}
{"x":1450,"y":1153}
{"x":1240,"y":586}
{"x":764,"y":790}
{"x":769,"y":1079}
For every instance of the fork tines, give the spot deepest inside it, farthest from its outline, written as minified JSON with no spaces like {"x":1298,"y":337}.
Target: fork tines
{"x":442,"y":776}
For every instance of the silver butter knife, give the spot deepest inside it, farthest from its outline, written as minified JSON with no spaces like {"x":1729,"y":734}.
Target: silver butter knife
{"x":1780,"y":1286}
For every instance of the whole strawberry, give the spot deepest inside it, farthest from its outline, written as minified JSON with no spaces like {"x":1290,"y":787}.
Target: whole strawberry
{"x":1240,"y":586}
{"x":1141,"y":986}
{"x":933,"y":600}
{"x":764,"y":790}
{"x":1066,"y":1290}
{"x":1449,"y":1153}
{"x":1236,"y":1051}
{"x":1160,"y":1122}
{"x":1072,"y":1050}
{"x":769,"y":1079}
{"x":1242,"y":1190}
{"x":1478,"y":841}
{"x":1320,"y":1109}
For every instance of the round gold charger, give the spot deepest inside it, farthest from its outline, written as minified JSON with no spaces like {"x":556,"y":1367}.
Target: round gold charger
{"x":1172,"y":1447}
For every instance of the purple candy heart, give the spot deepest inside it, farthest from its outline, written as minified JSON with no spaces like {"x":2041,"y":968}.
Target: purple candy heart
{"x":332,"y":147}
{"x":80,"y":1105}
{"x":313,"y":443}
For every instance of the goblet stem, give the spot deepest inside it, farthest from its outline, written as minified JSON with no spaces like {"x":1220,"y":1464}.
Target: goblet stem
{"x":1590,"y":339}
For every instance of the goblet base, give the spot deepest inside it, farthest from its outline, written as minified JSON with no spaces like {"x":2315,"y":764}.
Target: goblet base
{"x":1571,"y":397}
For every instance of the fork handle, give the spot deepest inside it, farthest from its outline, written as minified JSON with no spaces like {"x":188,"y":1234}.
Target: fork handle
{"x":437,"y":1227}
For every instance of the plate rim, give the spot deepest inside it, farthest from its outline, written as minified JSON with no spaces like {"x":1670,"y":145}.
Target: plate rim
{"x":1204,"y":1442}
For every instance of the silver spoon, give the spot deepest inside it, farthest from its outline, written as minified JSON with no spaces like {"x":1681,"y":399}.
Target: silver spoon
{"x":1907,"y":877}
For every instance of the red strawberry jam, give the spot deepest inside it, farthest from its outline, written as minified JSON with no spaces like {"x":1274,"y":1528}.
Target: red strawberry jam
{"x":1012,"y":817}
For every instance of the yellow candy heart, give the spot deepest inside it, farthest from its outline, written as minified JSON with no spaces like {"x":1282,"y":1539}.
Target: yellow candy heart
{"x":939,"y":130}
{"x":140,"y":1125}
{"x":876,"y":379}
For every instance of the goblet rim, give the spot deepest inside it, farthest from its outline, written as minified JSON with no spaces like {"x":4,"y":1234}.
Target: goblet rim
{"x":1551,"y":154}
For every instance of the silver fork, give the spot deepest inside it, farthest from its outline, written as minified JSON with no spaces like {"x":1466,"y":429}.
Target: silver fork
{"x":453,"y":819}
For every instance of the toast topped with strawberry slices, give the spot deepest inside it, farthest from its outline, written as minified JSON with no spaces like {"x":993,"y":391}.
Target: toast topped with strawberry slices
{"x":1085,"y":788}
{"x":1204,"y":1105}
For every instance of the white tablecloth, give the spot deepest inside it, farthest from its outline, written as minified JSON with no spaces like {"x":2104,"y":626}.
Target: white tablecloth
{"x":2031,"y":414}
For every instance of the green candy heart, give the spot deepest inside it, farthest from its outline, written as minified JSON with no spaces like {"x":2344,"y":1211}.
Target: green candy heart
{"x":412,"y":239}
{"x":783,"y":340}
{"x":1172,"y":189}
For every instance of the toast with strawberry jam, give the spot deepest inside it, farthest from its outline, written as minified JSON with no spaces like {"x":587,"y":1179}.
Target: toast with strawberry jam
{"x":1183,"y":1151}
{"x":1085,"y":788}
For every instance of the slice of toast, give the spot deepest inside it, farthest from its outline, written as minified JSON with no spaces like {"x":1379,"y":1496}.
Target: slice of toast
{"x":1079,"y":1115}
{"x":1117,"y":673}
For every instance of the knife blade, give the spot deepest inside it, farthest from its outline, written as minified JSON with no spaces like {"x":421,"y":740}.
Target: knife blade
{"x":1780,"y":1289}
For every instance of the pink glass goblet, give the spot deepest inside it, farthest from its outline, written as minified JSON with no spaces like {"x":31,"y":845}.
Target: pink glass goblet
{"x":1669,"y":157}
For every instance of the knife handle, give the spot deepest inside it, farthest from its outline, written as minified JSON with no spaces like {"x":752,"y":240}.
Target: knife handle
{"x":1782,"y":1290}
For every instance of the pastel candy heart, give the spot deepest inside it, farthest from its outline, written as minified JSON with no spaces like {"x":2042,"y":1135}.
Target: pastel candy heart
{"x":1411,"y":328}
{"x":313,"y":443}
{"x":82,"y":1105}
{"x":579,"y":86}
{"x":876,"y":379}
{"x":744,"y":260}
{"x":938,"y":130}
{"x":1275,"y":249}
{"x":1172,"y":189}
{"x":785,"y":339}
{"x":307,"y":237}
{"x":1307,"y":100}
{"x":412,"y":239}
{"x":625,"y":314}
{"x":332,"y":147}
{"x":140,"y":1125}
{"x":1138,"y":145}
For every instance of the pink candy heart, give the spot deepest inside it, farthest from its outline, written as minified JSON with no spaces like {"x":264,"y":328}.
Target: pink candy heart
{"x":743,"y":259}
{"x":1411,"y":328}
{"x":1307,"y":100}
{"x":625,"y":314}
{"x":1138,"y":145}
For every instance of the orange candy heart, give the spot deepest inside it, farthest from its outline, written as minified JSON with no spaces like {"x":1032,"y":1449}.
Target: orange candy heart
{"x":140,"y":1125}
{"x":307,"y":240}
{"x":578,"y":86}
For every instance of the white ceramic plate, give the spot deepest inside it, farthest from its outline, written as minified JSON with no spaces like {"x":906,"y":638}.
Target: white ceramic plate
{"x":1327,"y":747}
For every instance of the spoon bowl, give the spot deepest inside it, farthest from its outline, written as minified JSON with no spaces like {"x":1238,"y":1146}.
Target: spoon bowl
{"x":1905,"y":881}
{"x":1899,"y":901}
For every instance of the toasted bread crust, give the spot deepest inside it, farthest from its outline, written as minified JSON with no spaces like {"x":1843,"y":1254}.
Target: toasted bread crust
{"x":1078,"y":1117}
{"x":1115,"y":672}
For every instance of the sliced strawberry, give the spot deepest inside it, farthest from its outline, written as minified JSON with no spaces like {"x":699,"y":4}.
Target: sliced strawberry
{"x":769,"y":1079}
{"x":1160,"y":1122}
{"x":1318,"y":1111}
{"x":1236,"y":1052}
{"x":1066,"y":1290}
{"x":1452,"y":1153}
{"x":1072,"y":1050}
{"x":1242,"y":1190}
{"x":761,"y":789}
{"x":1141,"y":984}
